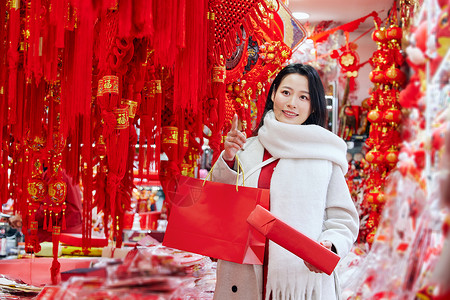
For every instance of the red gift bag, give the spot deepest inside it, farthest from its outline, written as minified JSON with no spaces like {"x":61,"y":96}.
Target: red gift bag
{"x":209,"y":218}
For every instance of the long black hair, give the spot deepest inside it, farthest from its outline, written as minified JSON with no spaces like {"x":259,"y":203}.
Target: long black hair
{"x":316,"y":92}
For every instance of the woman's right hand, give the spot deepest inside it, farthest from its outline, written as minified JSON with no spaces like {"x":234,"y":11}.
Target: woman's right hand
{"x":15,"y":222}
{"x":234,"y":141}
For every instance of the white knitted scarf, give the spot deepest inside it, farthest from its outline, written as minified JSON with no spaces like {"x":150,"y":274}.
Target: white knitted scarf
{"x":298,"y":194}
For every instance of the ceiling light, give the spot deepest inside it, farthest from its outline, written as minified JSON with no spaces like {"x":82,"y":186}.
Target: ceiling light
{"x":300,"y":15}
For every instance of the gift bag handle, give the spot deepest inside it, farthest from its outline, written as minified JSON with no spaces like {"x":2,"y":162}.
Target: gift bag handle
{"x":259,"y":166}
{"x":237,"y":177}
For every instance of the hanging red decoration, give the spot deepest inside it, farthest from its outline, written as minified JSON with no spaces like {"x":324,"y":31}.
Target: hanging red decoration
{"x":380,"y":58}
{"x":80,"y":76}
{"x":394,"y":33}
{"x":377,"y":76}
{"x":385,"y":116}
{"x":379,"y":35}
{"x":375,"y":116}
{"x":375,"y":197}
{"x":349,"y":61}
{"x":394,"y":75}
{"x":392,"y":115}
{"x":391,"y":156}
{"x":349,"y":27}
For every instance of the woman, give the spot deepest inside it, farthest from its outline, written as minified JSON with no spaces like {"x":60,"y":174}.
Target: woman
{"x":307,"y":189}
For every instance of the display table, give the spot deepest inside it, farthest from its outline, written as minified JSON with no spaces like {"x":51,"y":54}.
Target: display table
{"x":146,"y":271}
{"x":36,"y":271}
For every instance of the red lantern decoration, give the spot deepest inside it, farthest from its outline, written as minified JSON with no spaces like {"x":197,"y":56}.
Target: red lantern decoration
{"x":379,"y":35}
{"x":394,"y":33}
{"x":375,"y":116}
{"x":391,"y":156}
{"x":392,"y":115}
{"x":394,"y":75}
{"x":377,"y":76}
{"x":37,"y":189}
{"x":373,"y":156}
{"x":57,"y":190}
{"x":375,"y":197}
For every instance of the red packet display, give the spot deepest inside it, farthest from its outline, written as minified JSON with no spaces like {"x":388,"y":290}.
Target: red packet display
{"x":292,"y":240}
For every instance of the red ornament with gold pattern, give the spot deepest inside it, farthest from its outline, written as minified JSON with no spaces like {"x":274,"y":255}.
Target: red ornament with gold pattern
{"x":169,"y":142}
{"x":374,"y":156}
{"x":37,"y":190}
{"x":391,"y":156}
{"x":36,"y":186}
{"x":57,"y":191}
{"x":375,"y":196}
{"x":349,"y":61}
{"x":394,"y":36}
{"x":392,"y":115}
{"x":377,"y":76}
{"x":394,"y":75}
{"x":379,"y":36}
{"x":375,"y":116}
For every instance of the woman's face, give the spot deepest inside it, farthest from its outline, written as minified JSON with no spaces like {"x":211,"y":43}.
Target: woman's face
{"x":291,"y":101}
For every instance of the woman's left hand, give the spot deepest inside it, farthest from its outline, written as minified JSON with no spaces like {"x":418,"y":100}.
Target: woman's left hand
{"x":15,"y":222}
{"x":326,"y":244}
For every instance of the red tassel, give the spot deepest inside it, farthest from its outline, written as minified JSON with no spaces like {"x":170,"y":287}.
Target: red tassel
{"x":165,"y":48}
{"x":63,"y":225}
{"x":87,"y":176}
{"x":106,"y":221}
{"x":125,"y":18}
{"x":142,"y":18}
{"x":55,"y":270}
{"x":157,"y":136}
{"x":13,"y":58}
{"x":45,"y":218}
{"x":119,"y":227}
{"x":56,"y":266}
{"x":50,"y":226}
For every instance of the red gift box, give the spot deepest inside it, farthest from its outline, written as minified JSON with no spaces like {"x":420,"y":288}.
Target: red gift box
{"x":292,"y":240}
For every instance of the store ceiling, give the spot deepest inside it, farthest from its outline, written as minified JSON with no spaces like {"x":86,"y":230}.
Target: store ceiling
{"x":340,"y":11}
